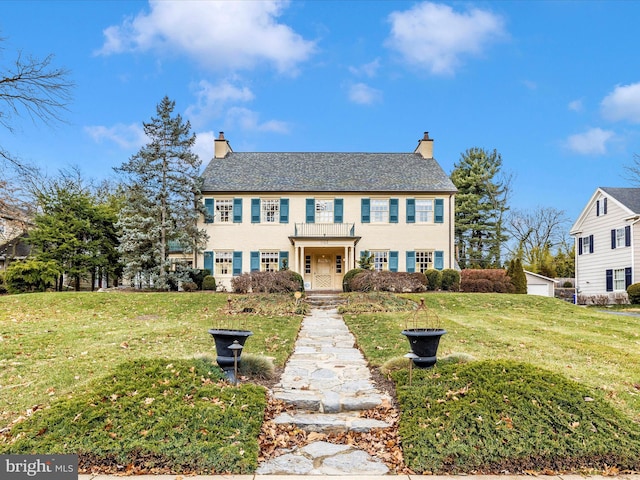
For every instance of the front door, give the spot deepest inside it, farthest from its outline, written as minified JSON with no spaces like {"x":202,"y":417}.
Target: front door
{"x":323,"y":272}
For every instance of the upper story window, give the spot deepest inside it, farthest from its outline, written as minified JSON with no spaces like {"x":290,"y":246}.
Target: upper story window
{"x":585,"y":245}
{"x":601,"y":207}
{"x":270,"y":210}
{"x":424,"y":210}
{"x":324,"y":211}
{"x":224,"y":211}
{"x":379,"y":210}
{"x":621,"y":237}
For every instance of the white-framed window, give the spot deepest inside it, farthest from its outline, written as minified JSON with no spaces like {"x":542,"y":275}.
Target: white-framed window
{"x":424,"y":210}
{"x":380,"y":260}
{"x":270,"y":210}
{"x":379,"y":210}
{"x":223,"y":211}
{"x":586,"y":244}
{"x":307,"y":264}
{"x":324,"y":211}
{"x":338,"y":263}
{"x":424,"y":260}
{"x":619,"y":280}
{"x":269,"y":261}
{"x":223,"y":261}
{"x":620,"y":237}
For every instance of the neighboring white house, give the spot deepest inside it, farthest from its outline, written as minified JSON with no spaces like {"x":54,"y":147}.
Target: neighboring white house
{"x":606,"y":242}
{"x":539,"y":284}
{"x":318,"y":212}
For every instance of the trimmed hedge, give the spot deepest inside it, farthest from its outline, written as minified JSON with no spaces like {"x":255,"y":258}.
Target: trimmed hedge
{"x":434,"y":279}
{"x":208,"y":283}
{"x":634,"y":293}
{"x":346,"y":280}
{"x":450,"y":280}
{"x":485,"y":281}
{"x":283,"y":281}
{"x":367,"y":281}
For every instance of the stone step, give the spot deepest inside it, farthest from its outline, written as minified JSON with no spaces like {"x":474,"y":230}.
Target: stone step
{"x":329,"y":423}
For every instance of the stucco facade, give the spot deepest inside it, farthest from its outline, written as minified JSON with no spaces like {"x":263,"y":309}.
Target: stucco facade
{"x":317,"y":213}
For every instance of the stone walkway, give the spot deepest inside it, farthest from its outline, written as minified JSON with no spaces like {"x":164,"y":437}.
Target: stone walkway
{"x":328,"y":382}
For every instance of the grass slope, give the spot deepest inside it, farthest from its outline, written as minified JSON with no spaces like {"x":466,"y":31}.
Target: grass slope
{"x":497,"y":416}
{"x":152,"y":415}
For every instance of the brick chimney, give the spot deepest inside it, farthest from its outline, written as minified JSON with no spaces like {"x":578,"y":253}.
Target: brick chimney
{"x":425,"y":146}
{"x":221,"y":147}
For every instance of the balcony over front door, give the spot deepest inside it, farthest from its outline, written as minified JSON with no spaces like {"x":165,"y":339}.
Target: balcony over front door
{"x":324,"y":230}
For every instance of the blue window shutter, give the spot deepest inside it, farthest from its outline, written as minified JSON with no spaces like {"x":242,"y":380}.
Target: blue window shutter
{"x":209,"y":210}
{"x":613,"y":238}
{"x":411,"y":261}
{"x":438,"y":262}
{"x":411,"y":210}
{"x":284,"y":210}
{"x":255,"y":210}
{"x":627,"y":236}
{"x":338,"y":210}
{"x":365,"y":210}
{"x":604,"y":206}
{"x":284,"y":256}
{"x":580,"y":246}
{"x":627,"y":277}
{"x":208,"y":262}
{"x":609,"y":280}
{"x":237,"y":263}
{"x":237,"y":210}
{"x":310,"y":210}
{"x":255,"y":261}
{"x":590,"y":243}
{"x":439,"y":210}
{"x":393,"y":261}
{"x":393,"y":210}
{"x":597,"y":208}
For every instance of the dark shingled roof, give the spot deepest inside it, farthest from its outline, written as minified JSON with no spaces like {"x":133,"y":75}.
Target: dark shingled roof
{"x":629,"y":197}
{"x":325,"y":172}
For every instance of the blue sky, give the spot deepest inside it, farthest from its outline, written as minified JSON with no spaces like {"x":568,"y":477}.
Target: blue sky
{"x":554,"y":86}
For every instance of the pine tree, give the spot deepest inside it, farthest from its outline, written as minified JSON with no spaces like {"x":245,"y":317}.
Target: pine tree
{"x":481,"y":203}
{"x":519,"y":279}
{"x":164,"y":193}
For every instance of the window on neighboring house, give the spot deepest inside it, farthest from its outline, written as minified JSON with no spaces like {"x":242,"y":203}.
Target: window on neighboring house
{"x":223,"y":211}
{"x":424,"y":260}
{"x":620,"y":237}
{"x":380,"y":260}
{"x":585,"y":245}
{"x":424,"y":211}
{"x":324,"y":211}
{"x":379,"y":211}
{"x":269,"y":261}
{"x":270,"y":210}
{"x":619,"y":280}
{"x":223,"y":263}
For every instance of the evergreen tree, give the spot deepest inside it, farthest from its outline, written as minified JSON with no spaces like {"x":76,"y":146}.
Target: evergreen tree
{"x":481,"y":203}
{"x":164,"y":200}
{"x":518,"y":278}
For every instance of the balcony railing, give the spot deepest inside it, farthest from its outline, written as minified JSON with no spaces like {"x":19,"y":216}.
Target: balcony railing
{"x":324,"y":230}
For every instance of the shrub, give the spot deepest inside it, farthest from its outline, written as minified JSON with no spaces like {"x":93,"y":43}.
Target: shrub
{"x":634,"y":293}
{"x":189,"y":286}
{"x":567,"y":284}
{"x":485,"y":281}
{"x":3,"y":287}
{"x":517,"y":276}
{"x":367,"y":280}
{"x":209,"y":283}
{"x":600,"y":300}
{"x":346,"y":280}
{"x":434,"y":279}
{"x":197,"y":276}
{"x":284,"y":281}
{"x":31,"y":276}
{"x":450,"y":280}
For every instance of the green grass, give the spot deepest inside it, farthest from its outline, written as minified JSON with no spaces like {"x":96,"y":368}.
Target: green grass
{"x":55,"y":343}
{"x":599,"y":350}
{"x":152,"y":415}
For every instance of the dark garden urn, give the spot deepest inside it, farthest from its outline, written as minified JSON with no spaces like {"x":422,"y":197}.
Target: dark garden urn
{"x":226,"y":356}
{"x":424,"y":343}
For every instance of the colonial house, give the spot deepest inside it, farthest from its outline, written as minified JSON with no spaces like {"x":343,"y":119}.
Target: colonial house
{"x":607,"y":243}
{"x":317,"y":213}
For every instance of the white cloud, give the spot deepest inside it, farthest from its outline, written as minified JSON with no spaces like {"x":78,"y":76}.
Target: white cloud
{"x":623,"y":103}
{"x":364,"y":94}
{"x":204,"y":146}
{"x":211,"y":100}
{"x":592,"y":142}
{"x":368,"y":69}
{"x":249,"y":120}
{"x":219,"y":35}
{"x":576,"y":106}
{"x":435,"y":37}
{"x":126,"y":136}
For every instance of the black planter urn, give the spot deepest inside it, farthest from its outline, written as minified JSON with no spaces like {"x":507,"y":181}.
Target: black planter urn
{"x":224,"y":338}
{"x":424,"y":343}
